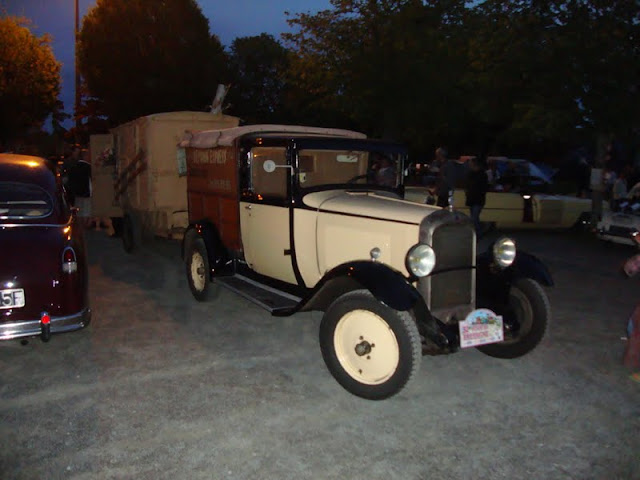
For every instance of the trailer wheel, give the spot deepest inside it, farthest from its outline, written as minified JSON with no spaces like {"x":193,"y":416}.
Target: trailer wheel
{"x":198,"y":272}
{"x":370,"y":349}
{"x":131,"y":235}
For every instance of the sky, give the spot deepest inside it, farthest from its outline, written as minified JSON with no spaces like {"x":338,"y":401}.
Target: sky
{"x":228,"y":19}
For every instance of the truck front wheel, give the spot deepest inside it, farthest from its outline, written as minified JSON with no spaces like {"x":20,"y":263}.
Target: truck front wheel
{"x":529,"y":305}
{"x":370,"y":349}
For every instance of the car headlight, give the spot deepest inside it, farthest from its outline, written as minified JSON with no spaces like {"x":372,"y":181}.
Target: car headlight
{"x":421,"y":259}
{"x":504,"y":252}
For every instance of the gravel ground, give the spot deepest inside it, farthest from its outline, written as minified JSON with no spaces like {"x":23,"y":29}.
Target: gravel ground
{"x":162,"y":387}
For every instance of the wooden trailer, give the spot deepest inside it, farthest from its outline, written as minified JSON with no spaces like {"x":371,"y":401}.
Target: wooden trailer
{"x":150,"y":184}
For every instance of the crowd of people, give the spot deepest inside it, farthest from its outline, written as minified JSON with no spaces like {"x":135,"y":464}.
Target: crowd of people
{"x":470,"y":173}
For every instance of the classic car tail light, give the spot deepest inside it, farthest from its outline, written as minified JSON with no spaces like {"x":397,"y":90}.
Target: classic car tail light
{"x":69,"y":263}
{"x":45,"y":326}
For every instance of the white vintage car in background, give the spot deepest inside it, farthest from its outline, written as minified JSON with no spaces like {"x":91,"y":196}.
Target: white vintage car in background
{"x":619,"y":226}
{"x":520,"y":198}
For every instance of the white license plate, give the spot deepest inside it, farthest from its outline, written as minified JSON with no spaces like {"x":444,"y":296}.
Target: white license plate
{"x":480,"y":327}
{"x":13,"y":298}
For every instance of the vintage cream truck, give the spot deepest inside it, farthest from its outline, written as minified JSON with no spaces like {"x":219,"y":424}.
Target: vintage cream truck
{"x":301,"y":218}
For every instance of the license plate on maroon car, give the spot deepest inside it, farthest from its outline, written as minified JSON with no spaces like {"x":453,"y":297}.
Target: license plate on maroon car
{"x":13,"y":298}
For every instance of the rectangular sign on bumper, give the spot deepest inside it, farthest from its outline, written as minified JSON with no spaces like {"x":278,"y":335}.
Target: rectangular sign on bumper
{"x":480,"y":327}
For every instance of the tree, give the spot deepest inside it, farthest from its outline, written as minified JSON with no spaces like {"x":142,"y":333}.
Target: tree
{"x":29,"y":79}
{"x":146,"y":56}
{"x":392,"y":67}
{"x":258,"y":67}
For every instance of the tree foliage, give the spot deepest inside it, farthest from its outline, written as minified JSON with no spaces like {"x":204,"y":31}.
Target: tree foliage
{"x":258,"y":65}
{"x":499,"y":76}
{"x":146,"y":56}
{"x":29,"y":79}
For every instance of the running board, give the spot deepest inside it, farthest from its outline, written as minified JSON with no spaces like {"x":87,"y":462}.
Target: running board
{"x":269,"y":298}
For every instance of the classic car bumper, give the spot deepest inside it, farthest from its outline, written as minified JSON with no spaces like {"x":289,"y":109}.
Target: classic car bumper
{"x":28,"y":328}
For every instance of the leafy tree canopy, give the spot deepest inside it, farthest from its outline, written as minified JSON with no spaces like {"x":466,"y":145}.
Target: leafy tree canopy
{"x":29,"y":79}
{"x":498,"y":76}
{"x":147,"y":56}
{"x":258,"y":66}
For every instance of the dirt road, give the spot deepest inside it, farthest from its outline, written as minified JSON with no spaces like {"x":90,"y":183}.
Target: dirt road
{"x":162,"y":387}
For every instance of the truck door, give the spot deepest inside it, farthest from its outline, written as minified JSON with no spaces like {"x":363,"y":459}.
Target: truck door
{"x":264,"y":216}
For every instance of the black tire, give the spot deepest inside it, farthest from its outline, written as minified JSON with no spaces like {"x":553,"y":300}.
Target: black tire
{"x":396,"y":332}
{"x":531,"y":306}
{"x":197,"y":269}
{"x":131,"y":236}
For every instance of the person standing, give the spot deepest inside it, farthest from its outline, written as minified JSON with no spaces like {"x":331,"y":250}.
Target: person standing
{"x":619,"y":192}
{"x":476,"y":188}
{"x":443,"y":189}
{"x":631,"y":357}
{"x":79,"y":184}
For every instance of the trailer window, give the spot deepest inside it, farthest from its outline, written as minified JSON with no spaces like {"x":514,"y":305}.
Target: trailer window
{"x":272,"y":184}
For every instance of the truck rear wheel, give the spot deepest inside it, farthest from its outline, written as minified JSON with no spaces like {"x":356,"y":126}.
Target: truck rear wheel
{"x":198,"y":273}
{"x":370,"y":349}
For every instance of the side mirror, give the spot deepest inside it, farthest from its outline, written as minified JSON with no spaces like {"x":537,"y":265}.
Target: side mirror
{"x":269,"y":166}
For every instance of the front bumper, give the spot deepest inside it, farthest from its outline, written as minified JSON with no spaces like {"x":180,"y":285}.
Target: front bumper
{"x":29,"y":328}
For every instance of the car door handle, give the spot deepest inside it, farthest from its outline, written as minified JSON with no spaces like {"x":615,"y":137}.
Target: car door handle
{"x":247,"y":207}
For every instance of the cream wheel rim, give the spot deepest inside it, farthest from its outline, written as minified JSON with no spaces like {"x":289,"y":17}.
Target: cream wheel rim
{"x":366,"y":347}
{"x":197,"y":271}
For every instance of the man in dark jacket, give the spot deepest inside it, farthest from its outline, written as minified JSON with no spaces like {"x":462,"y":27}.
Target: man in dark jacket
{"x":476,"y":191}
{"x":79,"y":185}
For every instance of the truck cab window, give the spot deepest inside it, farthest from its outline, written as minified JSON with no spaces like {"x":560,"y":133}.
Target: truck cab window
{"x":272,"y":184}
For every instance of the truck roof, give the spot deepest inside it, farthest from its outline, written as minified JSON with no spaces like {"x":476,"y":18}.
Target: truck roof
{"x":226,"y":136}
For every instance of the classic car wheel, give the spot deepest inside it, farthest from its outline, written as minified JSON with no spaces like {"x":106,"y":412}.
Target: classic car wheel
{"x":198,"y":270}
{"x":530,"y":305}
{"x":131,"y":237}
{"x":369,"y":348}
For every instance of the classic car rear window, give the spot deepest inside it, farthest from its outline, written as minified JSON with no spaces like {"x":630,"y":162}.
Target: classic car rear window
{"x":23,"y":200}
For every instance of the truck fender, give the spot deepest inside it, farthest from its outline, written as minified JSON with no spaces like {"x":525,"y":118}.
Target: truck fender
{"x":387,"y":285}
{"x":493,"y":283}
{"x":216,"y":251}
{"x":525,"y":265}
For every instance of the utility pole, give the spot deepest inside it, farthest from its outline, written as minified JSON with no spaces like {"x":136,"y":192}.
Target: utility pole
{"x":77,"y":105}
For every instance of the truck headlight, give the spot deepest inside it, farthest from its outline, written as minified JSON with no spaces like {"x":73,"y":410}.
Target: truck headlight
{"x":421,"y":259}
{"x":504,"y":252}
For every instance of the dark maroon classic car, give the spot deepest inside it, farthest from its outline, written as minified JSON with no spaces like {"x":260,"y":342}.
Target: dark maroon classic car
{"x":43,"y":267}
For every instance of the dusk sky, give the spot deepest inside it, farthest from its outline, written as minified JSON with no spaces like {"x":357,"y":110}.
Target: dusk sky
{"x":227,"y":18}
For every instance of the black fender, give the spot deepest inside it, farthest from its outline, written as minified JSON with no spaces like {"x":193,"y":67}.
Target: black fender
{"x":386,"y":284}
{"x":493,"y":283}
{"x":217,"y":253}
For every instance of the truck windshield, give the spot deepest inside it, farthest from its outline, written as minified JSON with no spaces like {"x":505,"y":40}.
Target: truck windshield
{"x":348,"y":167}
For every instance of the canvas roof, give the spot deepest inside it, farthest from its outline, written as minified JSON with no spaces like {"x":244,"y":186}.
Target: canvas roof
{"x":226,"y":137}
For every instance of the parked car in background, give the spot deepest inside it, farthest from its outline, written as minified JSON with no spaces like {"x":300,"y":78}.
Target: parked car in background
{"x":302,"y":218}
{"x":619,"y":226}
{"x":43,"y":272}
{"x":520,"y":197}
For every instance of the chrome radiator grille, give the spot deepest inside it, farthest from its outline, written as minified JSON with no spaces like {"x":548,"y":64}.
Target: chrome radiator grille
{"x":450,"y":290}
